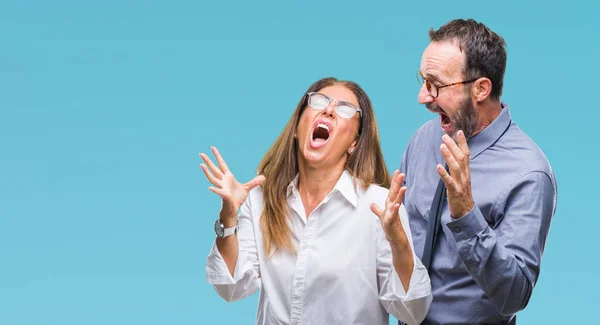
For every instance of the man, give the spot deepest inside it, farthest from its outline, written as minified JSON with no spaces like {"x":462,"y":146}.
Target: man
{"x":496,"y":193}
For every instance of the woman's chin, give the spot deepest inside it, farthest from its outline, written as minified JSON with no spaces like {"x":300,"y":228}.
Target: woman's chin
{"x":319,"y":158}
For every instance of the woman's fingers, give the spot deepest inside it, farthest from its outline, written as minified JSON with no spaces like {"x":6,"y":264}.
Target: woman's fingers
{"x":220,"y":160}
{"x":213,"y":168}
{"x":211,"y":178}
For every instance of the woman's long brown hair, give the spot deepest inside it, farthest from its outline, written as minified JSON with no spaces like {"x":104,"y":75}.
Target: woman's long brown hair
{"x":280,"y":166}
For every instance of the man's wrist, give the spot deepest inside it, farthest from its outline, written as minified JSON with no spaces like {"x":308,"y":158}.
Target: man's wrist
{"x":468,"y":208}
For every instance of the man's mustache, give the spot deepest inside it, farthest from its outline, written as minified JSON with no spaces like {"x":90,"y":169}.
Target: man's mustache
{"x":434,"y":108}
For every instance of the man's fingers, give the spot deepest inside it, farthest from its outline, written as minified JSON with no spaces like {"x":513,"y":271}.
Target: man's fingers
{"x":450,"y":159}
{"x":448,"y":180}
{"x":453,"y":148}
{"x":462,"y":143}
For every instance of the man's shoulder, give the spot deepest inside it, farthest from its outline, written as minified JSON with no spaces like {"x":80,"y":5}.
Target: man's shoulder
{"x":426,"y":132}
{"x":430,"y":127}
{"x":525,"y":149}
{"x":422,"y":142}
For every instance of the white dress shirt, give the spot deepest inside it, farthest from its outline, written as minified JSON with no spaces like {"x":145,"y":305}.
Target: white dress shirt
{"x":342,"y":272}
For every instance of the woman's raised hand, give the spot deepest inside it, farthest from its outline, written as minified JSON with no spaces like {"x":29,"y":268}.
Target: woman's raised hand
{"x":226,"y":186}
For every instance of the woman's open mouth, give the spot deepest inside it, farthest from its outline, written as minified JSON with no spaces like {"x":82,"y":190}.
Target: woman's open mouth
{"x":320,"y":134}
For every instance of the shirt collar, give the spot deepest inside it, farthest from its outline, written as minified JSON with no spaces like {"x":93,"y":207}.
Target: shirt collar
{"x":488,"y":136}
{"x":345,"y":185}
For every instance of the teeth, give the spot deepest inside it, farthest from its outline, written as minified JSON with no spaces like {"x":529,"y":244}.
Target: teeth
{"x":321,"y":125}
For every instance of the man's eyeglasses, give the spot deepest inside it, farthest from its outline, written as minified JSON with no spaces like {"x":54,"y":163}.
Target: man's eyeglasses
{"x":432,"y":88}
{"x":319,"y":101}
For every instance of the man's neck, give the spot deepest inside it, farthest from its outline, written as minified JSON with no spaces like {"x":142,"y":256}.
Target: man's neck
{"x":488,"y":112}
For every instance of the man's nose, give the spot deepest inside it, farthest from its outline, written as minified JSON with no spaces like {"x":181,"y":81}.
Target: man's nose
{"x":424,"y":97}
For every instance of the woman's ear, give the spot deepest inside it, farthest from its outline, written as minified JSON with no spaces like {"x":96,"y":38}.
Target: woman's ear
{"x":352,"y":147}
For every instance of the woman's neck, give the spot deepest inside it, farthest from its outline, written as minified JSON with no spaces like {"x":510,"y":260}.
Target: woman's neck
{"x":315,"y":183}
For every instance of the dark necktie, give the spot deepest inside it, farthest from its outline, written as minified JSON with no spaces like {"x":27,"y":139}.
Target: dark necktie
{"x":433,"y":226}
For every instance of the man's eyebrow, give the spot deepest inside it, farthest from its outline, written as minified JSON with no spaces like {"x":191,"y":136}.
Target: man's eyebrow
{"x":433,"y":76}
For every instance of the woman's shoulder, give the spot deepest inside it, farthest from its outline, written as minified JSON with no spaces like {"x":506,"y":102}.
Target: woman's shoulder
{"x":254,"y":199}
{"x":374,"y":193}
{"x":376,"y":190}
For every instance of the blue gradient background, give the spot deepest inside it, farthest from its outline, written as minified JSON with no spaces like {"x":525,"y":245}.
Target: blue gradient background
{"x":105,"y":217}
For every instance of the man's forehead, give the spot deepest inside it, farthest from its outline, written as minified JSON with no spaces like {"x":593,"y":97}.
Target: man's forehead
{"x":443,"y":59}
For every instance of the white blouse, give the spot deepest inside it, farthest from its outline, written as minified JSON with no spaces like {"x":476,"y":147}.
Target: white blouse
{"x":342,"y":273}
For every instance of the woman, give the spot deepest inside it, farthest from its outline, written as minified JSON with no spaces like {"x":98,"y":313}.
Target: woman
{"x":312,"y":236}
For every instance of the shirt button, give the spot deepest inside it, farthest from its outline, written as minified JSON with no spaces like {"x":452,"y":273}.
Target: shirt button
{"x":456,"y":229}
{"x":298,"y":284}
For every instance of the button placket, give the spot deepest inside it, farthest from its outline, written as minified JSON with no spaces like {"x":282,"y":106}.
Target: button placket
{"x":299,"y":277}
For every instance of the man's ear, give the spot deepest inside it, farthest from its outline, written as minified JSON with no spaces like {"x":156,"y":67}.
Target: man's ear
{"x":481,"y":90}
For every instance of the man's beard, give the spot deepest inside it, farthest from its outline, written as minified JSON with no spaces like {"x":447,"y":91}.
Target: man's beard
{"x":465,"y":118}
